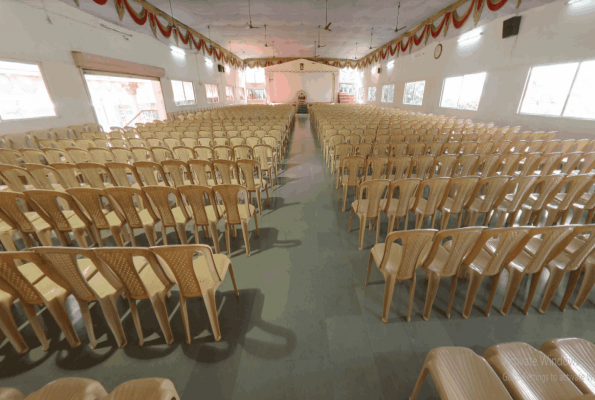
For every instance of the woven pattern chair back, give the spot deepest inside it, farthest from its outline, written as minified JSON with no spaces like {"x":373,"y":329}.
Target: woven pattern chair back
{"x":230,"y":196}
{"x":195,"y":197}
{"x":373,"y":191}
{"x":462,"y":242}
{"x":200,"y":169}
{"x":413,"y":244}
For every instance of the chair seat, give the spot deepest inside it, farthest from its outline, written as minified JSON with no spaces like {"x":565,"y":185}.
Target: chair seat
{"x":152,"y":283}
{"x":394,"y":259}
{"x":242,"y":211}
{"x":112,"y":218}
{"x":203,"y":274}
{"x":49,"y":289}
{"x":31,"y":272}
{"x":179,"y":216}
{"x":576,"y":357}
{"x":394,"y":204}
{"x":211,"y":212}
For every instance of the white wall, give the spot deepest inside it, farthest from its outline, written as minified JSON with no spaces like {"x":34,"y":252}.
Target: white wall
{"x":549,"y":34}
{"x":32,"y":33}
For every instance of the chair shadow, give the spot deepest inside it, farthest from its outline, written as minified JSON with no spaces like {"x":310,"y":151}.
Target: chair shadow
{"x":267,"y":239}
{"x":275,"y":204}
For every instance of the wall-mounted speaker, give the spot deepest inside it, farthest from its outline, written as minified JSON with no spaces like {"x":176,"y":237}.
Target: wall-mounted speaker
{"x":511,"y":27}
{"x":379,"y":70}
{"x":220,"y":68}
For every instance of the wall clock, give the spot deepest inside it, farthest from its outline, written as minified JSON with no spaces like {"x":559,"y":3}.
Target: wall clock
{"x":438,"y":51}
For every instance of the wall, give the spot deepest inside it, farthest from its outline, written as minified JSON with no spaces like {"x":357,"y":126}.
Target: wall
{"x":553,"y":33}
{"x":49,"y":35}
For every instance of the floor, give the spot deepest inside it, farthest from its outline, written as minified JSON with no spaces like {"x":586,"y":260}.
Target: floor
{"x":305,"y":326}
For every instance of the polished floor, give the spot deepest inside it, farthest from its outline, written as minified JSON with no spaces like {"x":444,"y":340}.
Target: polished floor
{"x":305,"y":326}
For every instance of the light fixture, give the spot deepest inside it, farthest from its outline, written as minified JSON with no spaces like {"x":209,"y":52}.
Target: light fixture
{"x":474,"y":34}
{"x":177,"y":51}
{"x":418,"y":55}
{"x":390,"y":64}
{"x":209,"y":62}
{"x":569,"y":2}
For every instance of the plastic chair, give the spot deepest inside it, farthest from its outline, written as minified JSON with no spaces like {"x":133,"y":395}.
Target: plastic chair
{"x":444,"y":261}
{"x":456,"y":197}
{"x":395,"y":208}
{"x":135,"y":207}
{"x":150,"y":283}
{"x":47,"y":177}
{"x":443,"y":166}
{"x":177,"y":173}
{"x":575,"y":357}
{"x":29,"y":223}
{"x":458,"y":373}
{"x":17,"y":179}
{"x":490,"y":188}
{"x":399,"y":262}
{"x":125,"y":175}
{"x":559,"y":202}
{"x":533,"y":206}
{"x":236,"y":213}
{"x":145,"y":389}
{"x":197,"y":277}
{"x":422,"y":165}
{"x":203,"y":172}
{"x":151,"y":173}
{"x":247,"y":169}
{"x":480,"y":263}
{"x":354,"y":165}
{"x":398,"y":168}
{"x":375,"y":168}
{"x":368,"y":208}
{"x":70,"y":388}
{"x":427,"y":207}
{"x":96,"y":175}
{"x":264,"y":154}
{"x":176,"y":217}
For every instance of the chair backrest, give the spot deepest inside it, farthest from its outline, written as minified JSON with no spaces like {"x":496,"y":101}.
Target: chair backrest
{"x":80,"y":155}
{"x":95,"y":174}
{"x":159,"y":197}
{"x":520,"y":188}
{"x":176,"y":171}
{"x":413,"y":244}
{"x":443,"y":165}
{"x":461,"y":241}
{"x":161,"y":154}
{"x":459,"y":190}
{"x":150,"y":172}
{"x":124,"y":174}
{"x":375,"y":168}
{"x":32,"y":157}
{"x":399,"y":167}
{"x":200,"y":170}
{"x":506,"y":250}
{"x":223,"y":153}
{"x":45,"y":176}
{"x":224,"y":171}
{"x":179,"y":260}
{"x":126,"y":199}
{"x":247,"y":169}
{"x":569,"y":190}
{"x":198,"y":197}
{"x":437,"y":189}
{"x":422,"y":165}
{"x":47,"y":202}
{"x":490,"y":189}
{"x":372,"y":191}
{"x":183,"y":153}
{"x":12,"y":205}
{"x":243,"y":152}
{"x":90,"y":200}
{"x":585,"y":235}
{"x":407,"y":189}
{"x":363,"y":150}
{"x":353,"y":165}
{"x":552,"y":241}
{"x":17,"y":179}
{"x":398,"y":149}
{"x":263,"y":154}
{"x":230,"y":196}
{"x":543,"y":187}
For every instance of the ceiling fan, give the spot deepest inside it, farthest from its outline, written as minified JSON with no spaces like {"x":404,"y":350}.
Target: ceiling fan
{"x":266,"y":44}
{"x":319,"y":46}
{"x":397,"y":29}
{"x":355,"y":56}
{"x":250,"y":23}
{"x":371,"y":35}
{"x":315,"y":56}
{"x":328,"y":24}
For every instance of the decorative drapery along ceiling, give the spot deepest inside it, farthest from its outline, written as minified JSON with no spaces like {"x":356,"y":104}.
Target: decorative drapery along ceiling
{"x":404,"y":43}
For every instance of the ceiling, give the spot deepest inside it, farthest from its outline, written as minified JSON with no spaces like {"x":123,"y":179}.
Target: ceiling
{"x":293,"y":25}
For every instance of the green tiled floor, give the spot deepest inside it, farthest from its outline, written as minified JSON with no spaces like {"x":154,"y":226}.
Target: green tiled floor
{"x":305,"y":326}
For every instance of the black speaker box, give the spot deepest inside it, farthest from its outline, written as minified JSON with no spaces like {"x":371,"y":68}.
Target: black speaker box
{"x":511,"y":27}
{"x":220,"y":68}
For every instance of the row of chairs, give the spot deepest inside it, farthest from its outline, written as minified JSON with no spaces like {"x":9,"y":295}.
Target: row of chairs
{"x":478,"y":252}
{"x":46,"y":276}
{"x":561,"y":369}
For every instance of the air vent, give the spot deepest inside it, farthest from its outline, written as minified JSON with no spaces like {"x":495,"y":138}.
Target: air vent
{"x":220,"y":68}
{"x":379,"y":70}
{"x":511,"y":27}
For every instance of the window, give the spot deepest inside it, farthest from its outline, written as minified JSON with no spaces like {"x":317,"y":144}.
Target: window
{"x":124,"y":100}
{"x":255,"y":75}
{"x":347,"y":88}
{"x":388,"y":93}
{"x":463,"y":92}
{"x":348,"y":75}
{"x":212,"y":93}
{"x":561,"y":90}
{"x":183,"y":93}
{"x":360,"y":96}
{"x":23,"y":93}
{"x":256,"y":94}
{"x":242,"y":93}
{"x":372,"y":93}
{"x":414,"y":93}
{"x":229,"y":93}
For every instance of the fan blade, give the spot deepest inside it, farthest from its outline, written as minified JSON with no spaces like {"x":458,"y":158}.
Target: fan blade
{"x":400,"y":29}
{"x":254,"y":27}
{"x":329,"y":24}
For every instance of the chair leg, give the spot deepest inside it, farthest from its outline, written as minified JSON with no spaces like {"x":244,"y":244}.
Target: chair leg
{"x":164,"y":233}
{"x":259,"y":202}
{"x":362,"y":229}
{"x":211,"y":305}
{"x":532,"y":289}
{"x":233,"y":280}
{"x":453,"y":289}
{"x":10,"y":328}
{"x":572,"y":281}
{"x":79,"y":236}
{"x":553,"y":282}
{"x":369,"y":268}
{"x":433,"y":283}
{"x":214,"y":235}
{"x":84,"y":307}
{"x":184,"y":312}
{"x":389,"y":288}
{"x":377,"y":227}
{"x":136,"y":319}
{"x":345,"y":189}
{"x":266,"y":187}
{"x":117,"y":234}
{"x":57,"y":309}
{"x":227,"y":239}
{"x":150,"y":232}
{"x":418,"y":384}
{"x":474,"y":284}
{"x":245,"y":233}
{"x":412,"y":283}
{"x":406,"y":220}
{"x":181,"y":229}
{"x":419,"y":221}
{"x":255,"y":224}
{"x":36,"y":325}
{"x":458,"y":220}
{"x":495,"y":280}
{"x":585,"y":288}
{"x":514,"y":281}
{"x":110,"y":311}
{"x":444,"y":216}
{"x":158,"y":302}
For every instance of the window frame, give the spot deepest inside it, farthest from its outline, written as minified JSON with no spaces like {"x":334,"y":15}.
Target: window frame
{"x":248,"y":96}
{"x":185,"y":102}
{"x":415,"y":83}
{"x":463,"y":81}
{"x":233,"y":97}
{"x":39,"y":65}
{"x":375,"y":90}
{"x":209,"y":99}
{"x":382,"y":94}
{"x":528,"y":79}
{"x":241,"y":93}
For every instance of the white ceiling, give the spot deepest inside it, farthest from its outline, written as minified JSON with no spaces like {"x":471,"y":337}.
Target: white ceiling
{"x":293,"y":24}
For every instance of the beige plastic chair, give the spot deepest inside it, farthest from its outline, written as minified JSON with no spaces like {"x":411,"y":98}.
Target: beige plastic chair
{"x":243,"y":152}
{"x":427,"y":207}
{"x":421,"y":167}
{"x":176,"y":217}
{"x":236,"y":213}
{"x":363,"y":150}
{"x":102,"y":287}
{"x":480,"y":263}
{"x":265,"y":155}
{"x":70,"y":389}
{"x":145,"y":389}
{"x":456,"y":197}
{"x":399,"y":168}
{"x":533,"y":206}
{"x":150,"y":283}
{"x":151,"y":173}
{"x":399,"y":262}
{"x":340,"y":151}
{"x":511,"y":198}
{"x":92,"y":201}
{"x":47,"y":177}
{"x":375,"y":168}
{"x":14,"y":212}
{"x":368,"y":208}
{"x":206,"y":213}
{"x":197,"y":277}
{"x":443,"y":166}
{"x":490,"y":188}
{"x":539,"y":379}
{"x":576,"y":358}
{"x":125,"y":175}
{"x":396,"y":208}
{"x":96,"y":175}
{"x":226,"y":172}
{"x":203,"y":172}
{"x":51,"y":203}
{"x":353,"y":165}
{"x":247,"y":170}
{"x":460,"y":374}
{"x":135,"y":207}
{"x":465,"y":166}
{"x":564,"y":196}
{"x":444,"y":261}
{"x":17,"y":179}
{"x":177,"y":173}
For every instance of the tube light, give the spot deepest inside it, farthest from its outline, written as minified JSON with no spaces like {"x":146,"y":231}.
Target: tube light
{"x":468,"y":36}
{"x":177,"y":51}
{"x":209,"y":62}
